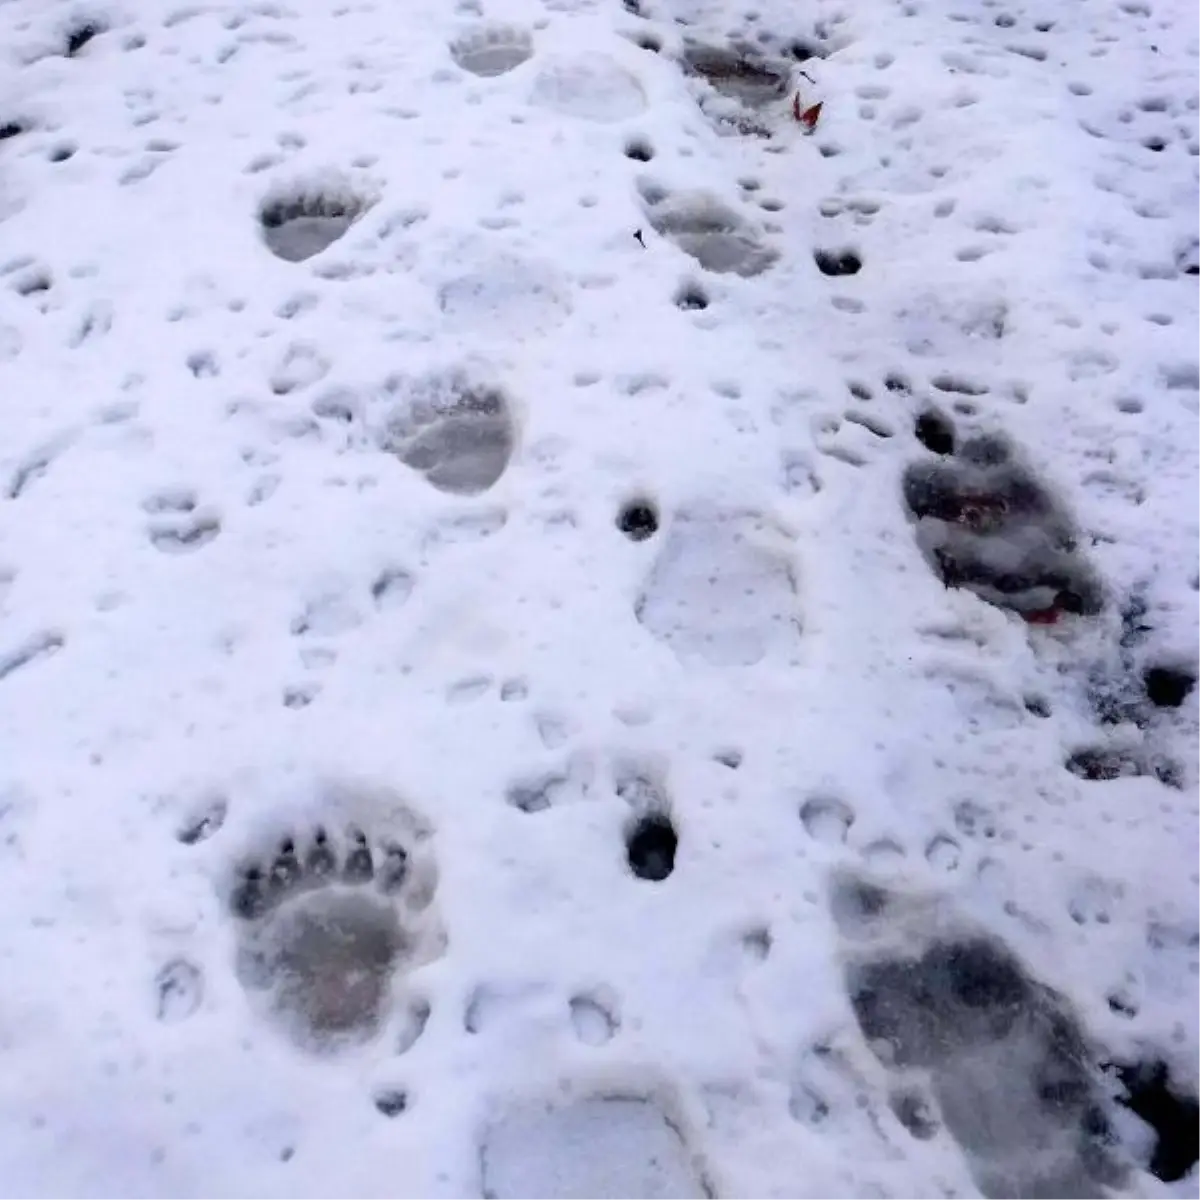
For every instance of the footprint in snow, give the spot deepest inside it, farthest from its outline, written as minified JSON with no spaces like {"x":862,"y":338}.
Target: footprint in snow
{"x":722,"y":590}
{"x":492,"y":50}
{"x":456,"y":432}
{"x":327,"y":923}
{"x":300,"y":220}
{"x":1008,"y":1070}
{"x":987,"y":524}
{"x":707,"y":229}
{"x":588,"y":86}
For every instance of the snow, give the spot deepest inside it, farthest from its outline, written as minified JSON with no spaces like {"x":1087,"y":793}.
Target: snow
{"x":561,"y":635}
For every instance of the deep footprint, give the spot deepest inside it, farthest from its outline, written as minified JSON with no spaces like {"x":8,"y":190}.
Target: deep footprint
{"x":710,"y":231}
{"x":985,"y":523}
{"x":741,"y":76}
{"x":456,"y":433}
{"x":299,"y":223}
{"x":1007,"y":1066}
{"x":322,"y":937}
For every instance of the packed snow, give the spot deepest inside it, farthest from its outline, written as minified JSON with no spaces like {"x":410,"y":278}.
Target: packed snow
{"x":573,"y":623}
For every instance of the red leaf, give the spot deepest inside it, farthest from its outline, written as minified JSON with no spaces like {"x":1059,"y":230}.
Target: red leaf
{"x":796,"y":106}
{"x":809,"y":117}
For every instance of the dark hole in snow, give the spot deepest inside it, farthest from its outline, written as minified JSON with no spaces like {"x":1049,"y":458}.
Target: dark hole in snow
{"x":651,"y":847}
{"x":391,"y":1102}
{"x":1105,"y":763}
{"x":1173,"y":1117}
{"x":1168,"y":687}
{"x":837,"y":263}
{"x":802,"y":50}
{"x":639,"y":150}
{"x":935,"y":432}
{"x":80,"y":35}
{"x":638,"y":520}
{"x":691,"y":298}
{"x":10,"y":129}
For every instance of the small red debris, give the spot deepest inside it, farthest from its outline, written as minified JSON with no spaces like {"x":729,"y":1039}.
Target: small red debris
{"x":807,"y":117}
{"x":1043,"y":616}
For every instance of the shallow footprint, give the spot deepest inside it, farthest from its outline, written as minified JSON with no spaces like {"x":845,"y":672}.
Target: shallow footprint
{"x":710,"y":231}
{"x":603,"y":1146}
{"x":722,"y":590}
{"x":492,"y":50}
{"x":589,"y":86}
{"x":456,"y":432}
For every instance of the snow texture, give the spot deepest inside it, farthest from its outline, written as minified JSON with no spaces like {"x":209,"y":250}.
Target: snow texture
{"x":565,"y":633}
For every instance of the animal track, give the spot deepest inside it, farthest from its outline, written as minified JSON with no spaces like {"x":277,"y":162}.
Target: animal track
{"x":709,"y":231}
{"x":301,"y":220}
{"x":492,"y":50}
{"x":739,"y":74}
{"x":456,"y":432}
{"x":594,"y":1017}
{"x":1007,"y":1066}
{"x":179,"y":989}
{"x":506,"y":296}
{"x":588,"y":86}
{"x":301,"y":366}
{"x":722,"y":590}
{"x":179,"y":525}
{"x":326,"y":924}
{"x":607,"y":1145}
{"x":826,"y":819}
{"x":985,"y":523}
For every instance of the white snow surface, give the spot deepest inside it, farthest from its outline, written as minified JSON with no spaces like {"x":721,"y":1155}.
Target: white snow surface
{"x":328,"y":359}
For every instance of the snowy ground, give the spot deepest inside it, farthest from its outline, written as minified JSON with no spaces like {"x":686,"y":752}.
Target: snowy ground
{"x":560,"y":635}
